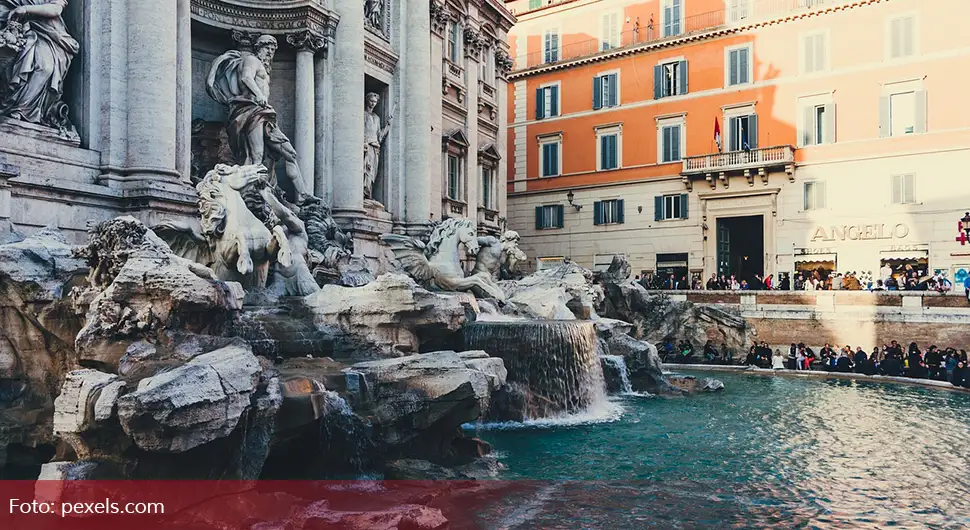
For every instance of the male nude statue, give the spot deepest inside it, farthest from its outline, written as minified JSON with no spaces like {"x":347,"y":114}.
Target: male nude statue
{"x":240,"y":80}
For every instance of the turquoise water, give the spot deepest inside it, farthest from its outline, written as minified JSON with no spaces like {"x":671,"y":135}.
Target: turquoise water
{"x":768,"y":452}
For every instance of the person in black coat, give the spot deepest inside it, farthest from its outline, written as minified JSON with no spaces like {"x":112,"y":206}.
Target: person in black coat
{"x":860,"y":360}
{"x":844,"y":364}
{"x":960,"y":375}
{"x":917,"y":368}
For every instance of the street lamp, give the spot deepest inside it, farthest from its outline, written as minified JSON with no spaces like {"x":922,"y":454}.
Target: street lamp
{"x":965,"y":223}
{"x":570,"y":196}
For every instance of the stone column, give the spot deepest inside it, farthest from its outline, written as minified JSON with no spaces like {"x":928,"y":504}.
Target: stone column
{"x":183,"y":116}
{"x":417,"y":117}
{"x":348,"y":109}
{"x":152,"y":90}
{"x":306,"y":43}
{"x":323,"y":134}
{"x":472,"y":171}
{"x":502,"y":143}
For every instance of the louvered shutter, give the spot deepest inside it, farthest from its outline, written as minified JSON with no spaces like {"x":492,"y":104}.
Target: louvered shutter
{"x":682,"y":80}
{"x":539,"y":224}
{"x":597,"y":93}
{"x":658,"y":208}
{"x":684,"y":199}
{"x":619,"y":211}
{"x":658,"y":79}
{"x":540,"y":103}
{"x":614,"y":90}
{"x":753,"y":131}
{"x":919,"y":111}
{"x":553,"y":100}
{"x":560,"y":217}
{"x":597,"y":213}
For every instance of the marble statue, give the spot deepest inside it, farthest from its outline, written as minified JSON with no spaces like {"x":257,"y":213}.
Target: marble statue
{"x":374,"y":135}
{"x":32,"y":83}
{"x":236,"y":244}
{"x":240,"y":80}
{"x":374,"y":14}
{"x":436,"y":265}
{"x":294,"y":279}
{"x":498,"y":257}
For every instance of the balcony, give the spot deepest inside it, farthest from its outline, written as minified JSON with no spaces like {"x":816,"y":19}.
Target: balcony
{"x":721,"y":165}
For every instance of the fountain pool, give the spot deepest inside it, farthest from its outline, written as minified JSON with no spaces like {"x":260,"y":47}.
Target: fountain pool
{"x":764,"y":453}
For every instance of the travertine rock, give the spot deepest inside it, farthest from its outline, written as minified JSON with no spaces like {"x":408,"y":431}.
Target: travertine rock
{"x":87,"y":397}
{"x":387,"y":317}
{"x":562,"y":293}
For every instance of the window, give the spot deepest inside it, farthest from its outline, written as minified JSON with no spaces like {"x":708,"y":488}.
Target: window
{"x":550,"y":156}
{"x":818,"y":124}
{"x":670,"y":79}
{"x":903,"y":192}
{"x":902,"y":110}
{"x":672,"y":14}
{"x":815,"y":53}
{"x":535,"y":4}
{"x":608,"y":212}
{"x":551,"y":46}
{"x":670,"y":142}
{"x":454,"y":178}
{"x":670,"y":207}
{"x":611,"y":32}
{"x":738,"y":10}
{"x":488,"y":188}
{"x":549,"y":217}
{"x":738,"y":65}
{"x":454,"y":43}
{"x":902,"y":37}
{"x":608,"y":147}
{"x":488,"y":67}
{"x":742,"y":132}
{"x":814,"y":196}
{"x":547,"y":101}
{"x":606,"y":91}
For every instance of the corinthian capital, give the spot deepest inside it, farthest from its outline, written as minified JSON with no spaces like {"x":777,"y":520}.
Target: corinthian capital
{"x":307,"y":40}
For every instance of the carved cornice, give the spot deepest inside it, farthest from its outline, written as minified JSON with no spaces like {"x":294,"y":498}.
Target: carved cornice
{"x":280,"y":17}
{"x":503,"y":62}
{"x":379,"y":55}
{"x":307,"y":40}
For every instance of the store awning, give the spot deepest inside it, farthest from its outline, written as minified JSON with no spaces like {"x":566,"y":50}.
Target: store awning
{"x":812,"y":258}
{"x":904,"y":255}
{"x":669,"y":264}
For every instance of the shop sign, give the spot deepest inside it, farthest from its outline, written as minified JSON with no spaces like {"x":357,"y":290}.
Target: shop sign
{"x":813,"y":251}
{"x":860,"y":232}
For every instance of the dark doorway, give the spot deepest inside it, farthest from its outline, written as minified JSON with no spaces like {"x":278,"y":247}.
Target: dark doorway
{"x":741,"y":246}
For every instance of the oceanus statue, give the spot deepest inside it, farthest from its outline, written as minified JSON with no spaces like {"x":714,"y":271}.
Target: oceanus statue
{"x":436,"y":265}
{"x":235,"y":243}
{"x":498,"y":257}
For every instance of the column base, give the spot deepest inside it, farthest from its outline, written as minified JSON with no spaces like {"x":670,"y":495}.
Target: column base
{"x":366,"y":226}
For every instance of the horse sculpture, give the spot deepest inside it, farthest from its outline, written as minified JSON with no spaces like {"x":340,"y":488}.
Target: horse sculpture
{"x":233,"y":241}
{"x":436,"y":265}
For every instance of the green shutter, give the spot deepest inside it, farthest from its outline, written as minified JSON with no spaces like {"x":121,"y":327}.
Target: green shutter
{"x":619,"y":211}
{"x":597,"y":93}
{"x":733,"y":67}
{"x":683,"y":205}
{"x":539,"y":225}
{"x":553,"y":100}
{"x":598,"y":213}
{"x":560,"y":217}
{"x":675,"y":143}
{"x":753,"y":131}
{"x":658,"y":79}
{"x":540,"y":103}
{"x":683,"y":78}
{"x":614,"y":94}
{"x":658,"y":208}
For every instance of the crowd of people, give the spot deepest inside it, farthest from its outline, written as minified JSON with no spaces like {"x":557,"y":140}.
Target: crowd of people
{"x":891,"y":359}
{"x":907,"y":279}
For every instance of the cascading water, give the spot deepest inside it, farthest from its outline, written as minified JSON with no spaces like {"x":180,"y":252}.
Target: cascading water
{"x":617,"y":374}
{"x":555,"y":359}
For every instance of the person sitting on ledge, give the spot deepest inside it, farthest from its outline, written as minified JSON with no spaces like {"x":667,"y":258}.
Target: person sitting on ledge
{"x":844,"y":364}
{"x":778,"y":360}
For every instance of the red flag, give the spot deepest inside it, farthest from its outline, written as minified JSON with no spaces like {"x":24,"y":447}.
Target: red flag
{"x":717,"y":134}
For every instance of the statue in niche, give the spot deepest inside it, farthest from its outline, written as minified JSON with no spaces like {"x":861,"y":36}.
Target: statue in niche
{"x":374,"y":136}
{"x":374,"y":14}
{"x":240,"y":80}
{"x":32,"y":83}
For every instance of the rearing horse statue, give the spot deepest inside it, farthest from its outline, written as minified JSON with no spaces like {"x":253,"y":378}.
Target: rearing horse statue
{"x":436,"y":265}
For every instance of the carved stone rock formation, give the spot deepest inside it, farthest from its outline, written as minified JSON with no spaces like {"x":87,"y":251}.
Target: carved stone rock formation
{"x":564,"y":292}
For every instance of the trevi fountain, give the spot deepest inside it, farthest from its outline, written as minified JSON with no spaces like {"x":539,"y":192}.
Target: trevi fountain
{"x":206,"y":277}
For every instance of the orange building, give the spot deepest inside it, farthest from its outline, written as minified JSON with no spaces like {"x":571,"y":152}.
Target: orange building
{"x":741,"y":136}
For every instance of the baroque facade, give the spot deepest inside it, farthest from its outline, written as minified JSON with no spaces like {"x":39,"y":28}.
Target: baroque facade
{"x":704,"y":136}
{"x":150,"y":111}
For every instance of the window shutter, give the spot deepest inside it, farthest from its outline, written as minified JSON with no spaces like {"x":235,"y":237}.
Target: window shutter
{"x":597,"y":93}
{"x":606,"y":33}
{"x":808,"y":125}
{"x":896,"y":38}
{"x":544,"y":160}
{"x":821,"y":61}
{"x":614,"y":151}
{"x":908,"y":36}
{"x":753,"y":131}
{"x":548,"y":44}
{"x":604,"y":159}
{"x":658,"y":79}
{"x":560,"y":217}
{"x":733,"y":67}
{"x":614,"y":90}
{"x":675,"y":143}
{"x":743,"y":66}
{"x":668,"y":21}
{"x":682,"y":79}
{"x":675,"y":27}
{"x":683,"y":205}
{"x":885,"y":128}
{"x":909,"y":194}
{"x":820,"y":196}
{"x":553,"y":159}
{"x":619,"y":211}
{"x":555,"y":46}
{"x":598,"y":213}
{"x":897,"y":189}
{"x":734,"y":143}
{"x":553,"y":100}
{"x":829,"y":126}
{"x":665,"y":144}
{"x":540,"y":103}
{"x":658,"y":208}
{"x":539,"y":225}
{"x":919,"y":112}
{"x":807,"y":203}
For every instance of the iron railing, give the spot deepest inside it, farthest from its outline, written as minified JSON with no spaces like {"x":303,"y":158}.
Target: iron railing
{"x":653,"y":30}
{"x":761,"y":157}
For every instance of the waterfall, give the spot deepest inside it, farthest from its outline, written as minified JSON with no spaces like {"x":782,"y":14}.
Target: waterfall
{"x":344,"y":433}
{"x":555,"y":359}
{"x":616,"y":364}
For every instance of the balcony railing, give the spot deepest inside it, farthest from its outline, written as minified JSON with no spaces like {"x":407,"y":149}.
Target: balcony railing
{"x":764,"y":157}
{"x":652,"y":31}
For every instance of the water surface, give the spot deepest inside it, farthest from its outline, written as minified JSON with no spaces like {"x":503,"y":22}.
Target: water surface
{"x":768,"y":452}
